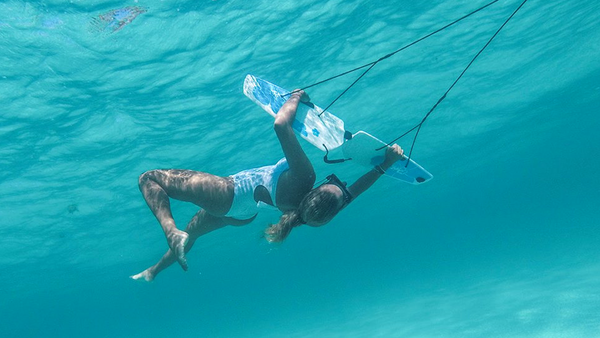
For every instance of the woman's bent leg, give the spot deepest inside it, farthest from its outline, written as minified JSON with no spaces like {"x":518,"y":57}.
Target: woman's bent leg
{"x":201,"y":224}
{"x":210,"y":192}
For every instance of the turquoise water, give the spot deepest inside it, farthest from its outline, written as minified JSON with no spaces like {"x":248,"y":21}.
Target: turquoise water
{"x":502,"y":243}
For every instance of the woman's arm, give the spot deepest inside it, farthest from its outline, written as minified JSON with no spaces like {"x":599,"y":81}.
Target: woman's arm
{"x":299,"y":163}
{"x":392,"y":154}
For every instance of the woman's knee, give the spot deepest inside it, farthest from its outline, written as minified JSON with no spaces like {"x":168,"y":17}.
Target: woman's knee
{"x":147,"y":177}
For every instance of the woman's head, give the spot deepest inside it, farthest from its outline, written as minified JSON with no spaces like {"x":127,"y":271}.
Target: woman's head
{"x":321,"y":204}
{"x":317,"y":208}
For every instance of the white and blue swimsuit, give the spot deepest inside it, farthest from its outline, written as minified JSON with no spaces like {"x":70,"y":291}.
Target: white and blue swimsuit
{"x":245,"y":183}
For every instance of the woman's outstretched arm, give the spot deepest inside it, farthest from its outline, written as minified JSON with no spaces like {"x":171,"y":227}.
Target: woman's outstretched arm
{"x":392,"y":154}
{"x":299,"y":179}
{"x":299,"y":163}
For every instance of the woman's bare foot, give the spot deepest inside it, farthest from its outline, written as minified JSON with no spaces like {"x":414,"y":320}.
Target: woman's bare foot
{"x":177,"y":240}
{"x":144,"y":275}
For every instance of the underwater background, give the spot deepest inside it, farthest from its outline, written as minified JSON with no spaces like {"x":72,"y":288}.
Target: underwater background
{"x":503,"y":242}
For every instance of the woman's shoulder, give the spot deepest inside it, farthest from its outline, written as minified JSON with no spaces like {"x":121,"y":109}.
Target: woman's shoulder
{"x":282,"y":163}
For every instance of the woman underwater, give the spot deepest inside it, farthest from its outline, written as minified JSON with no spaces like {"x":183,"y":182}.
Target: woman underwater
{"x":233,"y":200}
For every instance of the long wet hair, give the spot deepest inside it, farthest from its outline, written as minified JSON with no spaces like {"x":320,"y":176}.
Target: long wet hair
{"x":316,"y":205}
